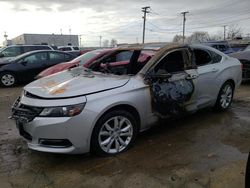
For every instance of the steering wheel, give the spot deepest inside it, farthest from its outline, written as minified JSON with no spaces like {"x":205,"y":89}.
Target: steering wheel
{"x":106,"y":68}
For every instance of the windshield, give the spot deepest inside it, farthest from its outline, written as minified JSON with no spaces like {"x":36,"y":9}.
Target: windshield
{"x":87,"y":56}
{"x":247,"y":48}
{"x":1,"y":49}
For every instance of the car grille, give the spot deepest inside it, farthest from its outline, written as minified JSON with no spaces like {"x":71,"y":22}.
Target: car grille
{"x":24,"y":113}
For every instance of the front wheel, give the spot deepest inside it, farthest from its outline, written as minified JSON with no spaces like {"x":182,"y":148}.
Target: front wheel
{"x":114,"y":133}
{"x":225,"y":97}
{"x":7,"y":79}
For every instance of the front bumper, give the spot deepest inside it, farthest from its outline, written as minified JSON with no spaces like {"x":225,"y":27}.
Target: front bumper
{"x":69,"y":135}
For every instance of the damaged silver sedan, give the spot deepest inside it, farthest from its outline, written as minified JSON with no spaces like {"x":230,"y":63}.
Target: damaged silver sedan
{"x":103,"y":108}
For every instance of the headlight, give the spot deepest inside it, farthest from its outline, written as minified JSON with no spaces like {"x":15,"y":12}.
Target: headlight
{"x":63,"y":111}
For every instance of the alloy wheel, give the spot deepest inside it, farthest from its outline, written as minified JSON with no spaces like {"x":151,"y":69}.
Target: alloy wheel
{"x":226,"y":96}
{"x":8,"y":80}
{"x":115,"y":134}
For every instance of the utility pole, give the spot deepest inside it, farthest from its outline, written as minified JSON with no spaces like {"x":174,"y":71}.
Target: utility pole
{"x":184,"y":22}
{"x":145,"y":11}
{"x":70,"y":36}
{"x":224,"y":32}
{"x":100,"y":41}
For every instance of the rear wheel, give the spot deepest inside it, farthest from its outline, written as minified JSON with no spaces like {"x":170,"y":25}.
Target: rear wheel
{"x":7,"y":79}
{"x":225,"y":96}
{"x":114,"y":133}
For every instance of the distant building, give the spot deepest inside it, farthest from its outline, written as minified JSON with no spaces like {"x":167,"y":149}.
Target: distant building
{"x":7,"y":42}
{"x":49,"y":39}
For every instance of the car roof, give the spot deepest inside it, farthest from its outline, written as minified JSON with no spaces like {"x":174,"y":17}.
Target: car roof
{"x":28,"y":45}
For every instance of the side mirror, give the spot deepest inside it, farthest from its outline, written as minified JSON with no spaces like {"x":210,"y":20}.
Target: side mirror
{"x":1,"y":55}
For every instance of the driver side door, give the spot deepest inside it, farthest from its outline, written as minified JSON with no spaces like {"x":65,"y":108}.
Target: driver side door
{"x":173,"y":84}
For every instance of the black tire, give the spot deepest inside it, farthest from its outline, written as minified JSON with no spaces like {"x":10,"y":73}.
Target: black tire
{"x":219,"y":104}
{"x":12,"y":79}
{"x":108,"y":118}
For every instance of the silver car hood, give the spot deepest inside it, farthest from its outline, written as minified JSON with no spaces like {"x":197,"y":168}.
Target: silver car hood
{"x":73,"y":83}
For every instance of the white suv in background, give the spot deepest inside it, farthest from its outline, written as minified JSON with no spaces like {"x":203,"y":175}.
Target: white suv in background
{"x":74,"y":50}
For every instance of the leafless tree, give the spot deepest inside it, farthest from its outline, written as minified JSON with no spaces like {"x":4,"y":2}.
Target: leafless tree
{"x":234,"y":31}
{"x":177,"y":38}
{"x":198,"y":37}
{"x":113,"y":43}
{"x":217,"y":37}
{"x":105,"y":43}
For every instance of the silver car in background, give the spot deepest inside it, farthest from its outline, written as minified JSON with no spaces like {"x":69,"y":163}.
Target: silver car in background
{"x":82,"y":110}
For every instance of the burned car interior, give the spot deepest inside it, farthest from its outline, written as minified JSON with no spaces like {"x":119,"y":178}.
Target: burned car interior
{"x":122,"y":62}
{"x":169,"y":83}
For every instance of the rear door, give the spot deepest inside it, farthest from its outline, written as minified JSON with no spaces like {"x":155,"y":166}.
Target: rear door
{"x":56,"y":57}
{"x":208,"y":63}
{"x":173,"y":84}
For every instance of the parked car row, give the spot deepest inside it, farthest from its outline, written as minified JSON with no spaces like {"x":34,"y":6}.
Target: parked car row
{"x":102,"y":108}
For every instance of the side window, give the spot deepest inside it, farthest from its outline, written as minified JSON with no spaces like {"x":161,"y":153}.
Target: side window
{"x":216,"y":58}
{"x":124,"y":56}
{"x":121,"y":56}
{"x":65,"y":49}
{"x":56,"y":56}
{"x":36,"y":58}
{"x":42,"y":48}
{"x":222,"y":48}
{"x":67,"y":57}
{"x":28,"y":48}
{"x":75,"y":48}
{"x":12,"y":51}
{"x":215,"y":46}
{"x":171,"y":63}
{"x":202,"y":57}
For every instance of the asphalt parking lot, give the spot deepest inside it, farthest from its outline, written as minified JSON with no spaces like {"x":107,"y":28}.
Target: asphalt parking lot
{"x":207,"y":149}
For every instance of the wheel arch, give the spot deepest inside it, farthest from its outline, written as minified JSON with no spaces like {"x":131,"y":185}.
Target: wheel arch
{"x":127,"y":107}
{"x":11,"y":72}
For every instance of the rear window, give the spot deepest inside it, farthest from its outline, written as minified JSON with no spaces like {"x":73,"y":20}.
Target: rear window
{"x":56,"y":56}
{"x":215,"y":57}
{"x":202,"y":57}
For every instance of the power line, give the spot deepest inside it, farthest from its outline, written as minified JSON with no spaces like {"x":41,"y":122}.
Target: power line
{"x":221,"y":18}
{"x":219,"y":24}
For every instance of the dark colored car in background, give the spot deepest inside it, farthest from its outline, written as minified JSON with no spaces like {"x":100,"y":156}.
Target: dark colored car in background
{"x":25,"y":67}
{"x":244,"y":58}
{"x":15,"y":50}
{"x":222,"y":46}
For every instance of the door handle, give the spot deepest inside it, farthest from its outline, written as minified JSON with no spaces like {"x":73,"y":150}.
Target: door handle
{"x":190,"y":77}
{"x":215,"y":70}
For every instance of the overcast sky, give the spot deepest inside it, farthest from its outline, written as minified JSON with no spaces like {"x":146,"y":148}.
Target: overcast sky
{"x":121,"y":20}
